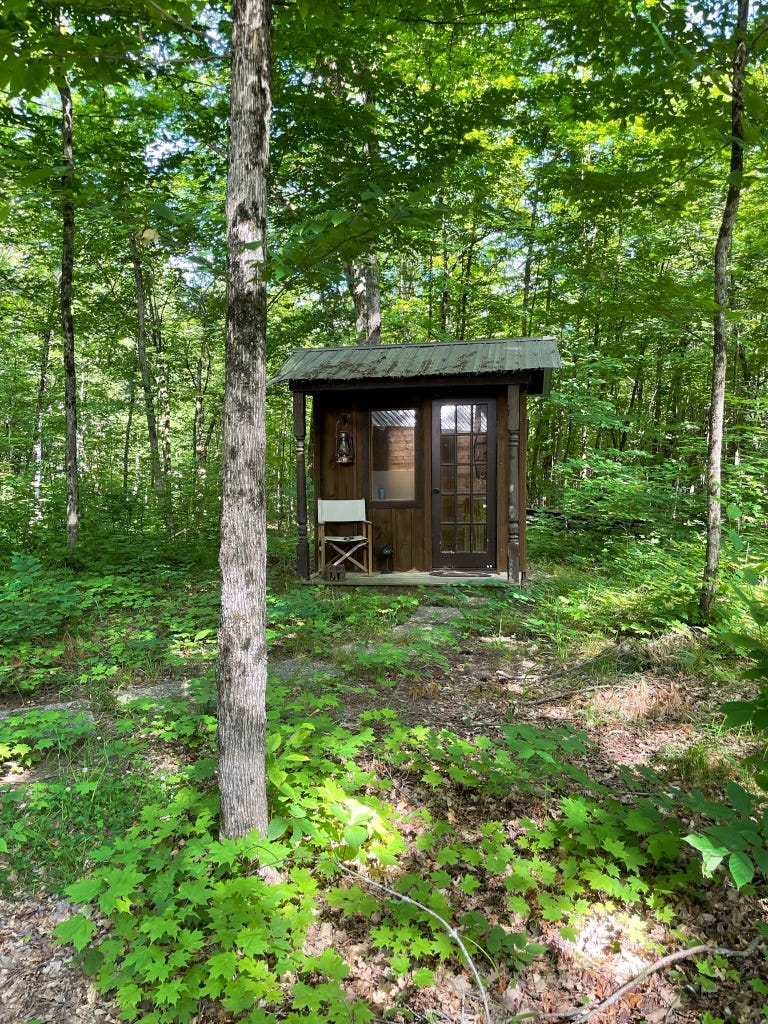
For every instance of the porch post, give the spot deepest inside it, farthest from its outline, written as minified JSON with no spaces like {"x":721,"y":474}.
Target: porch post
{"x":300,"y":433}
{"x":513,"y":490}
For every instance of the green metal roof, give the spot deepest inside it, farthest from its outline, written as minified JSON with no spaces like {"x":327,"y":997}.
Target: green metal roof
{"x":497,"y":357}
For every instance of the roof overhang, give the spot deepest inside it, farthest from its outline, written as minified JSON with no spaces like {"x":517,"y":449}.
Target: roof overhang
{"x":491,"y":361}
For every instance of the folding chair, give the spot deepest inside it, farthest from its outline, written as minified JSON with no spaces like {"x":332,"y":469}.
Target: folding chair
{"x":355,"y":546}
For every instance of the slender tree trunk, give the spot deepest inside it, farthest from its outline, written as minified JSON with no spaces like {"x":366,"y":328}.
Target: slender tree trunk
{"x":163,"y":403}
{"x":158,"y":476}
{"x":198,"y":421}
{"x":163,"y":406}
{"x":467,"y":262}
{"x":128,"y":430}
{"x":242,"y":663}
{"x":67,"y":322}
{"x":528,"y":267}
{"x":445,"y":294}
{"x":36,"y":452}
{"x":720,"y":326}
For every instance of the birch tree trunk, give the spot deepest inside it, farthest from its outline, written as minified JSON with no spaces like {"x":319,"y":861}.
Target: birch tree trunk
{"x":242,"y":664}
{"x":720,"y":326}
{"x":67,"y":322}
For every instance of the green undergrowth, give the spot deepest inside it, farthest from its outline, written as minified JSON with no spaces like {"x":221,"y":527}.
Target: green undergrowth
{"x":505,"y":834}
{"x":406,"y":838}
{"x":68,"y":631}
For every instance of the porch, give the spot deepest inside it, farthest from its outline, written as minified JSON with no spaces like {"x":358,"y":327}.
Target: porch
{"x":413,"y":578}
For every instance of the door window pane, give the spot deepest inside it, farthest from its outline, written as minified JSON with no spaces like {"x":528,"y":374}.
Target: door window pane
{"x":464,"y":418}
{"x":448,"y":509}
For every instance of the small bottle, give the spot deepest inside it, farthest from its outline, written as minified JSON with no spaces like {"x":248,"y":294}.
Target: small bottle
{"x":382,"y":494}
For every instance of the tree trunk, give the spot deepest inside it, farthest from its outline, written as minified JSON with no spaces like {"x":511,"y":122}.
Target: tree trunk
{"x":67,"y":322}
{"x":242,"y":663}
{"x":163,"y":406}
{"x":363,"y":283}
{"x":36,"y":452}
{"x":127,"y":443}
{"x":530,"y":250}
{"x":158,"y":477}
{"x":720,"y":326}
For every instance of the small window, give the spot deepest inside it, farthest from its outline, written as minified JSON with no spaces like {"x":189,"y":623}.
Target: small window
{"x":393,"y":454}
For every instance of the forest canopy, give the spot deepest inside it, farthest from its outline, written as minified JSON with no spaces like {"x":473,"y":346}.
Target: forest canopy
{"x":502,"y":170}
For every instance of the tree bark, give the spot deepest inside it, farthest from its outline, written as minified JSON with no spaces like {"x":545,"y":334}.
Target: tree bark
{"x":158,"y":477}
{"x":163,"y":406}
{"x":720,"y":326}
{"x":127,"y":442}
{"x":242,"y":663}
{"x":36,"y":452}
{"x":364,"y":287}
{"x":67,"y":322}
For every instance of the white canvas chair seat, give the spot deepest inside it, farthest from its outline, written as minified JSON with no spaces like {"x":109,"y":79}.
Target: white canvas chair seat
{"x":339,"y":548}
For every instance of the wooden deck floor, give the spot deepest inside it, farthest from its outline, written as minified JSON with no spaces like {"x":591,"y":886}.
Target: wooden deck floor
{"x":411,"y":579}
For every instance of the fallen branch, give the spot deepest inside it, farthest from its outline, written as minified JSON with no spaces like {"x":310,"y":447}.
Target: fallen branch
{"x":583,"y":1013}
{"x":449,"y":929}
{"x":578,"y":693}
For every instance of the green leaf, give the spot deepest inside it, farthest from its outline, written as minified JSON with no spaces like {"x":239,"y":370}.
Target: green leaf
{"x":355,"y":835}
{"x":85,"y":890}
{"x":712,"y":855}
{"x":740,"y":798}
{"x":77,"y":929}
{"x":400,"y":964}
{"x":469,"y":884}
{"x":423,"y":977}
{"x":276,"y":828}
{"x":741,"y":868}
{"x":332,"y":965}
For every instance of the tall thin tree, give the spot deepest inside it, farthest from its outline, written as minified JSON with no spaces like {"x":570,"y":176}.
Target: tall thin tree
{"x":67,"y":320}
{"x":146,"y":377}
{"x":242,"y":663}
{"x":720,"y":326}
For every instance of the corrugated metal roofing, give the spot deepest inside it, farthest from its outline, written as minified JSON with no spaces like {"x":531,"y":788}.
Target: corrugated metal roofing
{"x":491,"y":356}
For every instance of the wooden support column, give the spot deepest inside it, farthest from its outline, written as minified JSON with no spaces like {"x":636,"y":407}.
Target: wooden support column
{"x":513,"y":491}
{"x":300,"y":433}
{"x":523,"y":482}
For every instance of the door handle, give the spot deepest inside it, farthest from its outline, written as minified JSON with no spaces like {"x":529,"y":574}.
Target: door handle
{"x":435,"y":490}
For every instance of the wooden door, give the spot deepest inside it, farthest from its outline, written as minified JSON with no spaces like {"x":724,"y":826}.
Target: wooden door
{"x":464,"y":483}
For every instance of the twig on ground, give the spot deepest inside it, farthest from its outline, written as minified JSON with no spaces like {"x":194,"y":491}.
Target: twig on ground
{"x":583,"y":1013}
{"x":577,"y":693}
{"x":441,"y":920}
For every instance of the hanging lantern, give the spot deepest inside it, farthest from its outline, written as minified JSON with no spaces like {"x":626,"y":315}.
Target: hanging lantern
{"x":345,"y":447}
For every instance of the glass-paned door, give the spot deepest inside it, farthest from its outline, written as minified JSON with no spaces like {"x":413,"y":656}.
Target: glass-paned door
{"x":464,"y":484}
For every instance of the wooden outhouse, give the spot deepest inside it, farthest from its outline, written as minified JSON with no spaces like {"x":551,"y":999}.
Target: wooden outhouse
{"x":432,"y":437}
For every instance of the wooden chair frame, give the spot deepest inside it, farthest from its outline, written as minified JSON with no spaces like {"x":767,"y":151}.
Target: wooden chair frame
{"x":354,"y":547}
